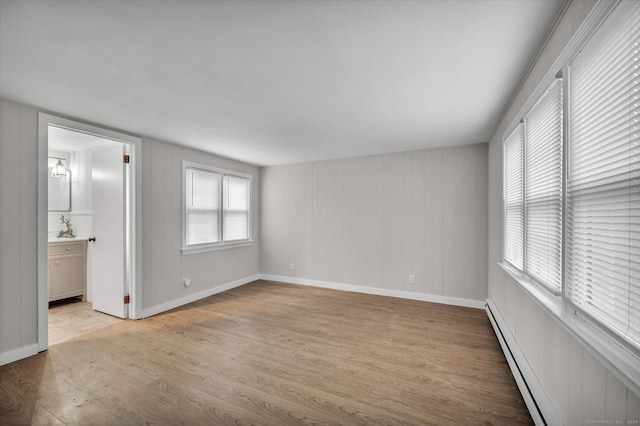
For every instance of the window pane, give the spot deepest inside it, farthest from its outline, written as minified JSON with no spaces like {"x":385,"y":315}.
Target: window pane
{"x":235,"y":226}
{"x":203,"y":193}
{"x":513,"y":208}
{"x":543,"y":189}
{"x":202,"y":227}
{"x":236,"y":208}
{"x":202,"y":206}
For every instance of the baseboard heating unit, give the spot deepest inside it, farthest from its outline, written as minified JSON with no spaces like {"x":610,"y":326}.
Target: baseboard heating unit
{"x":540,"y":407}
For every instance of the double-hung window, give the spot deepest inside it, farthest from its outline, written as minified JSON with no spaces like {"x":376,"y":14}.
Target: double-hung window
{"x":603,"y":178}
{"x":571,"y":191}
{"x":216,"y":208}
{"x":533,"y":191}
{"x":543,"y":189}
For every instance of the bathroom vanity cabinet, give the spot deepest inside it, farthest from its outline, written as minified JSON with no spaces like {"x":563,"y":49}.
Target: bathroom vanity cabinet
{"x":67,"y":269}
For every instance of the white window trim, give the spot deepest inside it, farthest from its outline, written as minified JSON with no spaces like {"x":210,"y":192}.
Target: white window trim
{"x":221,"y":245}
{"x":607,"y":349}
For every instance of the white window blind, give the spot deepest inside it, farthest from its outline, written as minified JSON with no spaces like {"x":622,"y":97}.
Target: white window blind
{"x":236,"y":208}
{"x":543,"y":189}
{"x":217,"y":208}
{"x":603,"y":179}
{"x":202,"y":206}
{"x":513,"y":202}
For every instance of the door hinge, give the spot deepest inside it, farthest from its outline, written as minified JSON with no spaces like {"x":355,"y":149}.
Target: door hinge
{"x":126,"y":159}
{"x":126,"y":299}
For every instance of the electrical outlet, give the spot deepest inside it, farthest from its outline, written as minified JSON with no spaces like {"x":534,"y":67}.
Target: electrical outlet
{"x":186,"y":282}
{"x":412,"y":279}
{"x":292,"y":266}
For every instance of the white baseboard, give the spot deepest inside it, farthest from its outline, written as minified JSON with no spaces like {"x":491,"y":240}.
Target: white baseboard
{"x":456,"y":301}
{"x":17,"y":354}
{"x":539,"y":405}
{"x":163,"y":307}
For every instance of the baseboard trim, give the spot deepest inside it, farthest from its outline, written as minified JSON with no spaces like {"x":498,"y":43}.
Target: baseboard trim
{"x":18,"y":354}
{"x":539,"y":405}
{"x":163,"y":307}
{"x":468,"y":303}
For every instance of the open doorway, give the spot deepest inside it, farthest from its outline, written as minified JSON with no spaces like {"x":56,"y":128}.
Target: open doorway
{"x":74,"y":307}
{"x":88,"y":241}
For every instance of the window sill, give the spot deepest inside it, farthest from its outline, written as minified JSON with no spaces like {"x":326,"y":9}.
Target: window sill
{"x":203,"y":249}
{"x":621,"y":361}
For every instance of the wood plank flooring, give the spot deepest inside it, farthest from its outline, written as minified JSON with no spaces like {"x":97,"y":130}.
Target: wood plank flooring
{"x":72,"y":318}
{"x":274,"y":354}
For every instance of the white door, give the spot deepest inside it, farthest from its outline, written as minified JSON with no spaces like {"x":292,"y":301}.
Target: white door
{"x":108,"y":249}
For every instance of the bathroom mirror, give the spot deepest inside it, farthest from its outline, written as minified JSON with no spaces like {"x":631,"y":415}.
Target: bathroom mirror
{"x":59,"y":188}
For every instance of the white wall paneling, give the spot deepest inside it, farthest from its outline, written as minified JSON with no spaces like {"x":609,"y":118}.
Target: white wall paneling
{"x":18,"y":208}
{"x":373,"y":221}
{"x":580,"y":387}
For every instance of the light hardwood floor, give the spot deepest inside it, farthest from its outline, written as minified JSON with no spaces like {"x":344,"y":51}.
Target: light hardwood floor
{"x":271,"y":354}
{"x":72,"y":318}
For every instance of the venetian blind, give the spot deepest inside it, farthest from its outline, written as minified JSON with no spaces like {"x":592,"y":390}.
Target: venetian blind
{"x":543,"y":189}
{"x":603,"y":180}
{"x":202,"y":206}
{"x":513,"y":207}
{"x":236,"y":208}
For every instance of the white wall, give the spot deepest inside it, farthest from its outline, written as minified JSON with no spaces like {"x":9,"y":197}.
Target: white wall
{"x":79,"y":163}
{"x":18,"y":198}
{"x":372,"y":221}
{"x":580,"y":388}
{"x":163,"y":265}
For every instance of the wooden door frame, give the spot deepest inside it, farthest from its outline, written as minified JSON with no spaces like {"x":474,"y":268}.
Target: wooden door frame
{"x":133,"y":226}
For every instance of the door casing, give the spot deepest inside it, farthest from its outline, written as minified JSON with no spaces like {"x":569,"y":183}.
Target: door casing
{"x":133,"y":228}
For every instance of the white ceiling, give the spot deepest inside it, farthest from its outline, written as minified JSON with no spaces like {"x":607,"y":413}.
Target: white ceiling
{"x":275,"y":82}
{"x":66,"y":140}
